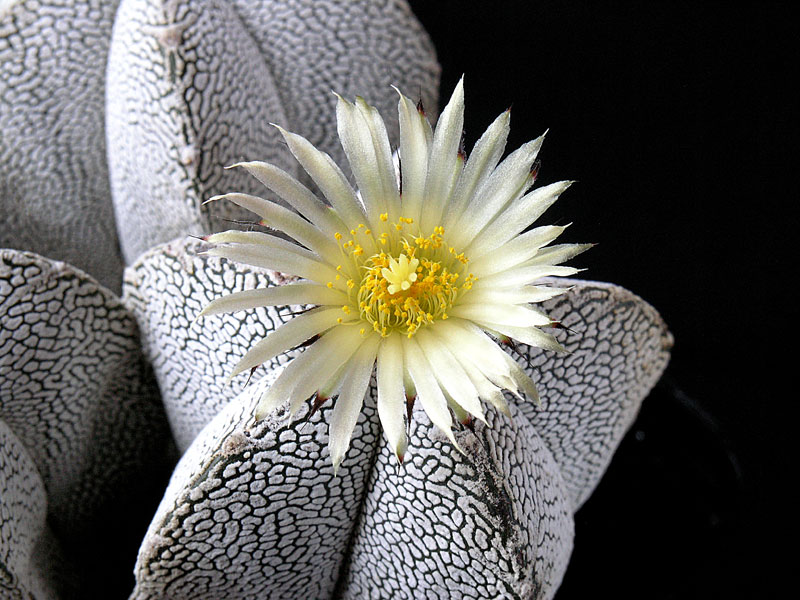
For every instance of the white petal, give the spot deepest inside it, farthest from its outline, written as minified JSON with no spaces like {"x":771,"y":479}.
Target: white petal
{"x":443,"y":159}
{"x":506,"y":314}
{"x":524,"y":274}
{"x":279,"y":295}
{"x":516,"y":218}
{"x":557,"y":254}
{"x":383,"y":155}
{"x":391,"y":396}
{"x":489,"y":378}
{"x":463,"y":337}
{"x":347,"y":406}
{"x":285,"y":257}
{"x":471,"y":346}
{"x":287,"y":336}
{"x":413,"y":156}
{"x":312,"y":369}
{"x":278,"y":217}
{"x":328,"y":177}
{"x":356,"y":138}
{"x":487,"y":391}
{"x":428,"y":391}
{"x":528,"y":335}
{"x":450,"y":374}
{"x":523,"y":380}
{"x":514,"y":295}
{"x":296,"y":195}
{"x":481,"y":162}
{"x":510,"y":179}
{"x":514,"y":252}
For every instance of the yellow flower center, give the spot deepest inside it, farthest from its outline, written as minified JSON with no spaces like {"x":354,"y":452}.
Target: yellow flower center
{"x":410,"y":284}
{"x":400,"y":274}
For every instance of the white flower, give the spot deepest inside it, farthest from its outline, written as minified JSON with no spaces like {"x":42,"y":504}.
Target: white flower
{"x":409,"y":273}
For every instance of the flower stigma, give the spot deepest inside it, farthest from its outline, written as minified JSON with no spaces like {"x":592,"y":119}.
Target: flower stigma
{"x":410,"y":284}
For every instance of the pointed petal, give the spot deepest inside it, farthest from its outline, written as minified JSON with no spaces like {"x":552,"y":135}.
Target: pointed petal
{"x":523,"y":275}
{"x":557,"y":254}
{"x":523,"y":380}
{"x":514,"y":252}
{"x":391,"y":397}
{"x":464,"y":338}
{"x":310,"y":370}
{"x":279,"y":295}
{"x":356,"y":138}
{"x":328,"y":177}
{"x":528,"y":335}
{"x":414,"y":148}
{"x":287,"y":336}
{"x":347,"y":406}
{"x":450,"y":374}
{"x":515,"y":295}
{"x":482,"y":160}
{"x":383,"y":156}
{"x":296,"y":195}
{"x":505,"y":314}
{"x":506,"y":183}
{"x":443,"y":159}
{"x":516,"y":218}
{"x":278,"y":255}
{"x":428,"y":391}
{"x":278,"y":217}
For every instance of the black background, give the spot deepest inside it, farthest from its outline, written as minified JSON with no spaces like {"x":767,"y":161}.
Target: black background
{"x":672,"y":117}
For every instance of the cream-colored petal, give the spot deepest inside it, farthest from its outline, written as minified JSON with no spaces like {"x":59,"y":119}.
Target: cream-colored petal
{"x":347,"y":406}
{"x":310,"y":370}
{"x":523,"y":275}
{"x":356,"y":138}
{"x":508,"y":181}
{"x":296,"y":195}
{"x":489,"y":379}
{"x":513,"y":295}
{"x":277,"y":217}
{"x":287,"y":336}
{"x":414,"y":148}
{"x":450,"y":374}
{"x":516,"y":218}
{"x":383,"y":155}
{"x":481,"y":162}
{"x":391,"y":396}
{"x":428,"y":392}
{"x":506,"y":314}
{"x":328,"y":177}
{"x":443,"y":159}
{"x":284,"y":257}
{"x":523,"y":380}
{"x":515,"y":251}
{"x":532,"y":336}
{"x":279,"y":295}
{"x":464,"y":338}
{"x":557,"y":254}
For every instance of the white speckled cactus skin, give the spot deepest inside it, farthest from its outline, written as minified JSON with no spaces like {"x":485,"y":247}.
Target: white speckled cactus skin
{"x":116,"y":120}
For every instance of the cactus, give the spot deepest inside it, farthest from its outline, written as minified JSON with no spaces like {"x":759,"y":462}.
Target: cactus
{"x":116,"y":121}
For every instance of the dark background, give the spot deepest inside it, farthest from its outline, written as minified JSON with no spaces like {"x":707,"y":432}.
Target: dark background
{"x":672,"y":117}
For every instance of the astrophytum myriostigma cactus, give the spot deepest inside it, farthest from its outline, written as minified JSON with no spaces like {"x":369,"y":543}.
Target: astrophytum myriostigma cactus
{"x":116,"y":122}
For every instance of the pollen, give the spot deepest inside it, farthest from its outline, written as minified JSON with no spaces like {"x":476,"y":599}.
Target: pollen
{"x":409,"y":281}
